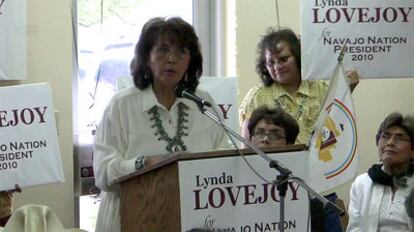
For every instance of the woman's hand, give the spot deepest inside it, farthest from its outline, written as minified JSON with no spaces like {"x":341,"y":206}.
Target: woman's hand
{"x":16,"y":189}
{"x":352,"y":78}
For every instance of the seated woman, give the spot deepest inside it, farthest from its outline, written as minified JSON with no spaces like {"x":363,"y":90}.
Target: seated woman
{"x":272,"y":127}
{"x":383,"y":198}
{"x":36,"y":218}
{"x":6,"y":204}
{"x":6,"y":207}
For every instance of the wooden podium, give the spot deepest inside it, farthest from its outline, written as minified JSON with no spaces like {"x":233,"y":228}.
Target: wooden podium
{"x":150,"y":198}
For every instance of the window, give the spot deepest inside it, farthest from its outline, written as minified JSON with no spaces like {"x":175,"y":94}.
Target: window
{"x":107,"y":32}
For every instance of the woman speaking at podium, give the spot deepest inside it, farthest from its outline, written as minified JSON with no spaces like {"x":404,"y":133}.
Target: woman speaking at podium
{"x":144,"y":122}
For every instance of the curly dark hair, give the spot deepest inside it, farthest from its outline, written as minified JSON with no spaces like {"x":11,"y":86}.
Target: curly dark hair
{"x":269,"y":42}
{"x":177,"y":29}
{"x":276,"y":116}
{"x":397,"y":119}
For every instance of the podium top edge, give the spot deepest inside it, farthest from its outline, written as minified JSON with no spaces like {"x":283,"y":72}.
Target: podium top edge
{"x":175,"y":157}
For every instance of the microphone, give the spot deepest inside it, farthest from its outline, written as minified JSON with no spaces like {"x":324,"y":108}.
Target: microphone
{"x":181,"y":91}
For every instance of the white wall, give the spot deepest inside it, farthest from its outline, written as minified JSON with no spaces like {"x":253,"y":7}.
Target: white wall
{"x":50,"y":60}
{"x":373,"y":99}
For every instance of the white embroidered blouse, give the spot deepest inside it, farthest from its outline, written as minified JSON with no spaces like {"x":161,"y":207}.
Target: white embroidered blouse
{"x":127,"y":131}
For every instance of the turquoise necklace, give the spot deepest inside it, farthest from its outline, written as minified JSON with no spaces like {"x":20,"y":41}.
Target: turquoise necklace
{"x":175,"y":144}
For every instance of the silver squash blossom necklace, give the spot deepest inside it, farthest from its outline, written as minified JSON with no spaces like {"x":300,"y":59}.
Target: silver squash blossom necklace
{"x":175,"y":144}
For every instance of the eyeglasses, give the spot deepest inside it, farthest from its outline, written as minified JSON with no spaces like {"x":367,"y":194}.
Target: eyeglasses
{"x":398,"y":138}
{"x":164,"y":51}
{"x":272,"y":135}
{"x":272,"y":61}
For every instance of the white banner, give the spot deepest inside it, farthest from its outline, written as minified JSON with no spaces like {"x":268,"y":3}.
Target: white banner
{"x":225,"y":195}
{"x":29,"y":148}
{"x":378,"y":34}
{"x":13,"y":45}
{"x":224,"y":92}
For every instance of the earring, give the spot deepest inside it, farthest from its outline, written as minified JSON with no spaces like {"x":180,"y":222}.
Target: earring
{"x":186,"y":77}
{"x":146,"y":76}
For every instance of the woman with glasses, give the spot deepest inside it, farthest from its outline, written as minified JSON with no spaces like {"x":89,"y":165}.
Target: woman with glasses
{"x":383,"y":198}
{"x":279,"y":66}
{"x":272,"y":127}
{"x":146,"y":121}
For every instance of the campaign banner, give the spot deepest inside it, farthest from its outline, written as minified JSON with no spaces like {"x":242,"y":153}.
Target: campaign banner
{"x":13,"y":39}
{"x":29,"y":147}
{"x":224,"y":92}
{"x":378,"y":36}
{"x":223,"y":194}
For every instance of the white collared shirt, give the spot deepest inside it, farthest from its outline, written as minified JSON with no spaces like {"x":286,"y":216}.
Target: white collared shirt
{"x":392,"y":216}
{"x":367,"y":202}
{"x":127,"y":131}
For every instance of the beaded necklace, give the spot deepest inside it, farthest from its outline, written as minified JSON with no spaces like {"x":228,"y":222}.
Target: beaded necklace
{"x":175,"y":144}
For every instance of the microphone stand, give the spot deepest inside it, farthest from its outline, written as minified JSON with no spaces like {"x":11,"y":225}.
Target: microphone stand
{"x":284,"y":173}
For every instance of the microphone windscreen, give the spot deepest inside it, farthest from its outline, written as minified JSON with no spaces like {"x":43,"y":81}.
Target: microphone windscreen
{"x":179,"y":90}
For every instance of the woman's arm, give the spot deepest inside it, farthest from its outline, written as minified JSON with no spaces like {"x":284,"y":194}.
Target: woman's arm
{"x":354,"y":210}
{"x":109,"y":162}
